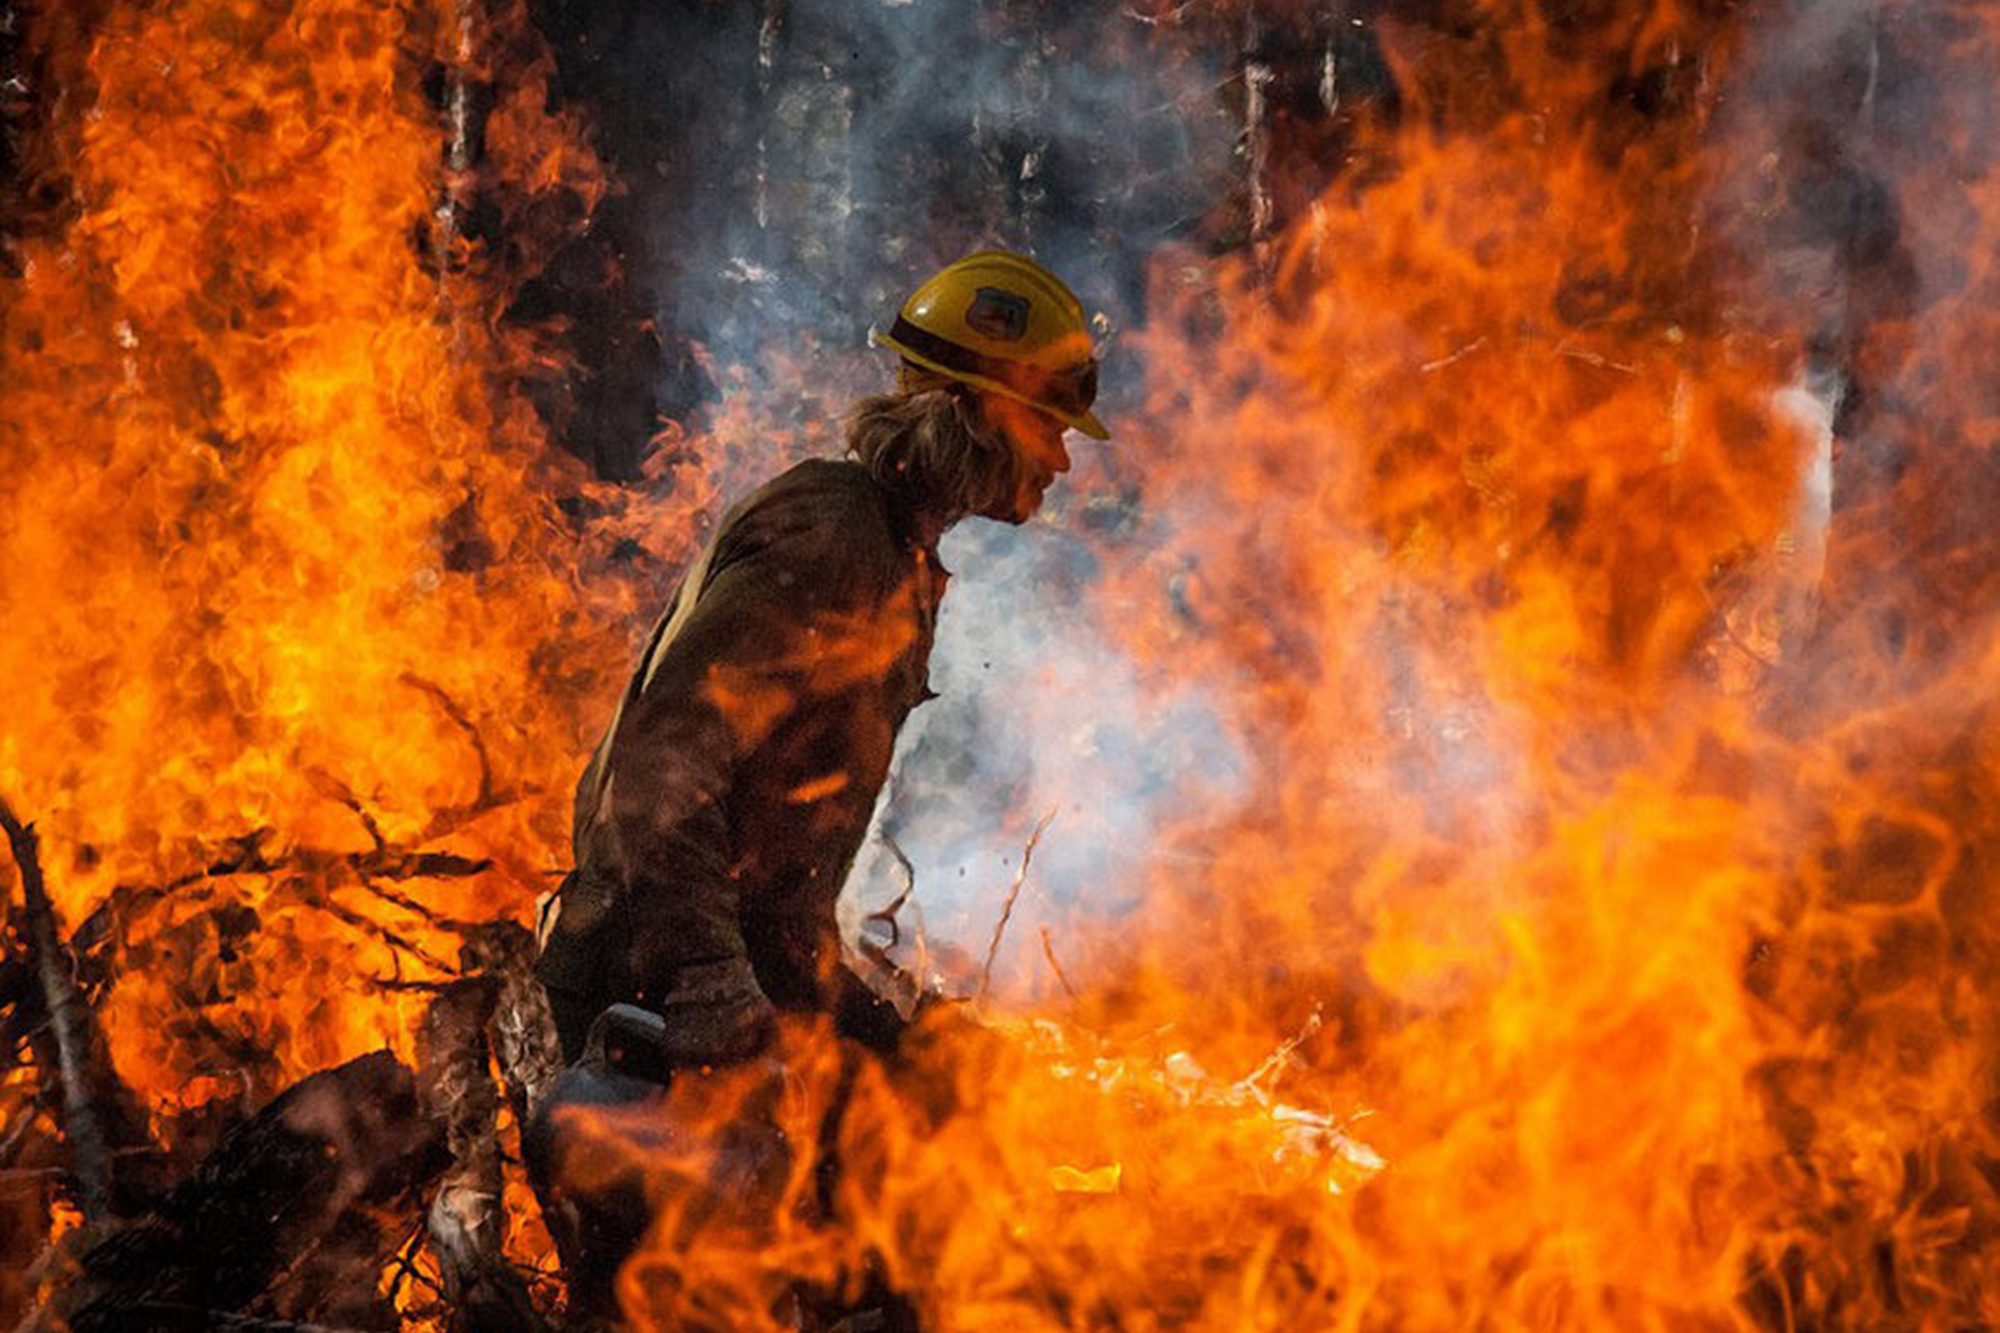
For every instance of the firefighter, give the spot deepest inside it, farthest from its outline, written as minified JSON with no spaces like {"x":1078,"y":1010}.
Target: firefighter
{"x":719,"y":815}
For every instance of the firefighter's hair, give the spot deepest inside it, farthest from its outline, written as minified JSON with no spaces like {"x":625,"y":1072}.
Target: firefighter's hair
{"x":928,"y":440}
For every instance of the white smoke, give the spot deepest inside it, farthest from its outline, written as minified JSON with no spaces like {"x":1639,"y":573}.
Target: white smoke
{"x":1040,"y":715}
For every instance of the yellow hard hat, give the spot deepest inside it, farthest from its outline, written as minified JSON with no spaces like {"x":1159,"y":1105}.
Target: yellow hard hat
{"x":1003,"y":323}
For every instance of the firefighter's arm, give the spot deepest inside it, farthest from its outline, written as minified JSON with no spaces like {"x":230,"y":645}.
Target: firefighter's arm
{"x":671,"y":769}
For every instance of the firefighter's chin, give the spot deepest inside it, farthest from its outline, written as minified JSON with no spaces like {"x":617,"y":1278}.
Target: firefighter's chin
{"x":1023,"y":504}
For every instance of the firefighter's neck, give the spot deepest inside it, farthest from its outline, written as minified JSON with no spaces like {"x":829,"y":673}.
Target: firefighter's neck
{"x":929,"y":523}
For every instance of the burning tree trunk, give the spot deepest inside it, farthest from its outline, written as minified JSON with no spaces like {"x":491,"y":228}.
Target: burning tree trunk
{"x":76,"y":1046}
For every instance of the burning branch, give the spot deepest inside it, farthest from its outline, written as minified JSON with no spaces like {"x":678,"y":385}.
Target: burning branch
{"x":396,"y":941}
{"x":249,"y":855}
{"x":406,"y":1264}
{"x":455,"y":198}
{"x":888,"y":916}
{"x":18,"y":1130}
{"x":889,"y":979}
{"x":1257,"y":78}
{"x":523,"y":1030}
{"x":95,"y":1119}
{"x":19,"y":1004}
{"x":1275,"y":1061}
{"x":374,"y":871}
{"x":489,"y":796}
{"x":1452,"y":358}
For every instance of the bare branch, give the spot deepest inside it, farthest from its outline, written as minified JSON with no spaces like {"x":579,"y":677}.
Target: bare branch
{"x":17,"y":1133}
{"x":344,"y":794}
{"x":489,"y":797}
{"x":406,"y":1263}
{"x":1049,"y":952}
{"x":1013,"y":896}
{"x":1590,"y":358}
{"x":249,"y":854}
{"x":1429,"y":367}
{"x":393,"y":939}
{"x":400,"y":985}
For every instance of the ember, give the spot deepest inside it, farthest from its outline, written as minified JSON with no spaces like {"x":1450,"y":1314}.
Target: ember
{"x":1485,"y":796}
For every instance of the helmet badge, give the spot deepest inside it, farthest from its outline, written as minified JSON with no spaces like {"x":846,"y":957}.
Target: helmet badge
{"x":999,"y":315}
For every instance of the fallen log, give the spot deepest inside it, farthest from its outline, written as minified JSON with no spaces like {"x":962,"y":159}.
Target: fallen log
{"x":283,"y":1221}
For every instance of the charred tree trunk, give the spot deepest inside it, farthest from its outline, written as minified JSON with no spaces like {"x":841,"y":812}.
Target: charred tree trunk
{"x":462,"y":128}
{"x":14,"y":119}
{"x":605,"y":407}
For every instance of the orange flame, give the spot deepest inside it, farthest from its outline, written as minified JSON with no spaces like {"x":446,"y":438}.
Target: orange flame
{"x":1638,"y":864}
{"x":282,"y":562}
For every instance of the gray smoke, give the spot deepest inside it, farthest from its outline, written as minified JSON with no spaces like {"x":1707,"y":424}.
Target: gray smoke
{"x":833,"y":155}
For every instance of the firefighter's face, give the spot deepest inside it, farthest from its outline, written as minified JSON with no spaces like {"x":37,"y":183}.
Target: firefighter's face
{"x":1039,"y":455}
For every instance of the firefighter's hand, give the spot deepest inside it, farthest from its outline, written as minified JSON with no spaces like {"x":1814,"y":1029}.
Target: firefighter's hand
{"x":716,"y":1014}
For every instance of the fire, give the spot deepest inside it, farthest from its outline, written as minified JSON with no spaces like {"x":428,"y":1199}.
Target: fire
{"x":296,"y":670}
{"x":1603,"y":935}
{"x":1652,"y":973}
{"x":281,"y":561}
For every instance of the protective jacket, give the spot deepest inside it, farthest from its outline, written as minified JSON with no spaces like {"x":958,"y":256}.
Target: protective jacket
{"x":721,"y":812}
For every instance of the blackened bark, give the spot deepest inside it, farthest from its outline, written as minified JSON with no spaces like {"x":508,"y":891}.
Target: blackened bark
{"x":285,"y":1215}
